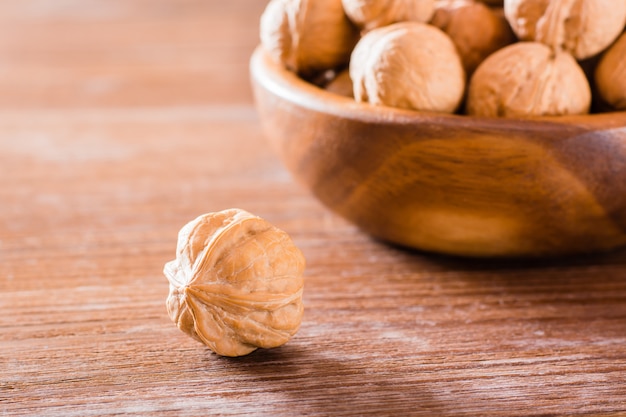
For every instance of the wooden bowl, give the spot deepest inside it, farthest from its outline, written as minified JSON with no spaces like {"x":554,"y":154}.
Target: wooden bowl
{"x":451,"y":184}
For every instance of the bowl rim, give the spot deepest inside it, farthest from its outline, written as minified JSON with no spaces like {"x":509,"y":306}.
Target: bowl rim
{"x":287,"y":85}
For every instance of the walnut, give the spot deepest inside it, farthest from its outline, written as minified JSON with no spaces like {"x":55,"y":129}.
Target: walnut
{"x":371,"y":14}
{"x":581,"y":27}
{"x":341,"y":84}
{"x":408,"y":65}
{"x":460,"y":20}
{"x":307,"y":36}
{"x":610,"y":75}
{"x":236,"y":283}
{"x":528,"y":79}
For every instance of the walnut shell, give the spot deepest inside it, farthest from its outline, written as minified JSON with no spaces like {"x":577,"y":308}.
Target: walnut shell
{"x":493,"y":3}
{"x":610,"y":75}
{"x":460,"y":20}
{"x":528,"y":79}
{"x":341,"y":84}
{"x":307,"y":36}
{"x":371,"y":14}
{"x":236,"y":283}
{"x":581,"y":27}
{"x":408,"y":65}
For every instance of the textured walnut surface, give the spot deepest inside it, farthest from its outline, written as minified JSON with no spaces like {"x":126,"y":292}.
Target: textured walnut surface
{"x":236,"y":283}
{"x":408,"y":65}
{"x":460,"y":19}
{"x":581,"y":27}
{"x":307,"y":35}
{"x":528,"y":79}
{"x":371,"y":14}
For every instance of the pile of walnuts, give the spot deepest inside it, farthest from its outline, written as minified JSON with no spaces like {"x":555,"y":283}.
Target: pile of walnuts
{"x":510,"y":58}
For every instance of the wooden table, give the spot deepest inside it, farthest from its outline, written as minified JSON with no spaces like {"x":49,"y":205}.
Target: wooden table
{"x":122,"y":120}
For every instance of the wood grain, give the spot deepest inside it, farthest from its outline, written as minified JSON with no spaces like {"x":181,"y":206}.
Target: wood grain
{"x":447,"y":183}
{"x":138,"y":53}
{"x":94,"y":189}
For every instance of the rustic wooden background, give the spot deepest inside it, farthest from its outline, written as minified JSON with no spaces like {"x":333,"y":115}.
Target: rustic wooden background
{"x":121,"y":120}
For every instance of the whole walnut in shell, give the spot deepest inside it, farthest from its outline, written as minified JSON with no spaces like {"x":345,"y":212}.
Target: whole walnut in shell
{"x":581,"y":27}
{"x":371,"y":14}
{"x":408,"y":65}
{"x":236,"y":283}
{"x":610,"y":75}
{"x":476,"y":30}
{"x":341,"y":84}
{"x":307,"y":36}
{"x":528,"y":79}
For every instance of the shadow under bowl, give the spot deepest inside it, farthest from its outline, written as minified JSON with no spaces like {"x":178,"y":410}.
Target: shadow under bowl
{"x":453,"y":184}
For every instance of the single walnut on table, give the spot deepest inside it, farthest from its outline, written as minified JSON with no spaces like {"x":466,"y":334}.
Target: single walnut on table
{"x":236,"y":283}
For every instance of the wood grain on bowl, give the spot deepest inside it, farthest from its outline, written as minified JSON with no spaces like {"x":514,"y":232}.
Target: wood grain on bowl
{"x":447,"y":183}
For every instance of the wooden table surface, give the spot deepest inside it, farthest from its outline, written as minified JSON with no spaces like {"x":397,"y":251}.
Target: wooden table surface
{"x":122,"y":120}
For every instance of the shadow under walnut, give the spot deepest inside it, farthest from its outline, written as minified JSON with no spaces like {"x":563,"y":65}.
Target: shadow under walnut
{"x":452,"y":184}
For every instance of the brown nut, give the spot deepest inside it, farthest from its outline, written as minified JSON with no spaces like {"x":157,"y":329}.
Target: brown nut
{"x":581,"y":27}
{"x":476,"y":30}
{"x":610,"y":74}
{"x":493,"y":3}
{"x":307,"y":36}
{"x":341,"y":84}
{"x":236,"y":283}
{"x":371,"y":14}
{"x":528,"y":79}
{"x":408,"y":65}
